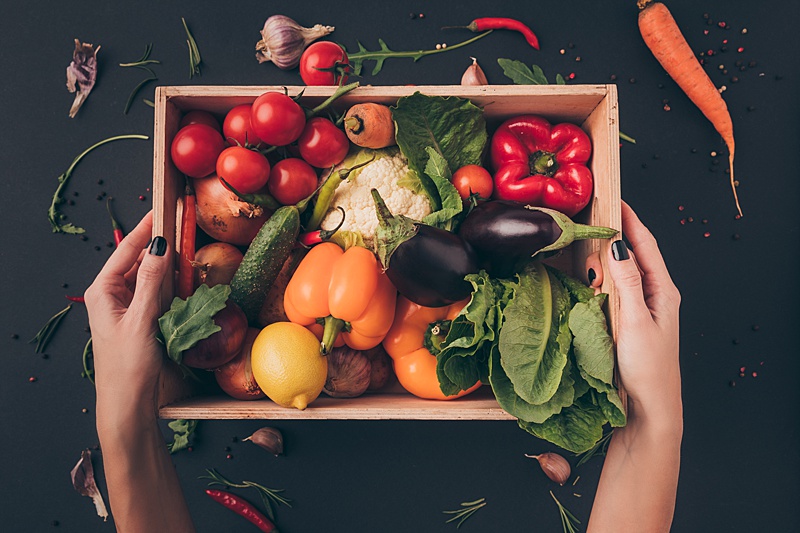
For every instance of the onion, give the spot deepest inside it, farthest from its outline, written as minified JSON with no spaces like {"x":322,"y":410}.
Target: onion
{"x":223,"y":216}
{"x":381,"y":367}
{"x":348,"y":373}
{"x":222,"y":346}
{"x":236,"y":376}
{"x":216,"y":263}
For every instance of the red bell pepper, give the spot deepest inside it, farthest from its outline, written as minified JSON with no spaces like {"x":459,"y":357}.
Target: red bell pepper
{"x":543,"y":165}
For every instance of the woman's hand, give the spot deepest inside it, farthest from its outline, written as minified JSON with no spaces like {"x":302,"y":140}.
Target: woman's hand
{"x":647,"y":335}
{"x":124,"y":305}
{"x":640,"y":476}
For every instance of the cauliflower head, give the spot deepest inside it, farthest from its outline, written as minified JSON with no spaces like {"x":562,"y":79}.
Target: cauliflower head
{"x":354,"y":196}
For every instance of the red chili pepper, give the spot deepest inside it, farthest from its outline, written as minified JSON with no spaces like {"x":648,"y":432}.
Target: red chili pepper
{"x":543,"y":165}
{"x":78,"y":299}
{"x":243,"y":508}
{"x":495,"y":23}
{"x":322,"y":235}
{"x":188,"y":234}
{"x":118,"y":235}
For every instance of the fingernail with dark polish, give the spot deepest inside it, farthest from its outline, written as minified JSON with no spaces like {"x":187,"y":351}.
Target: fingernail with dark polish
{"x":619,"y":250}
{"x":159,"y":246}
{"x":592,"y":275}
{"x":146,"y":246}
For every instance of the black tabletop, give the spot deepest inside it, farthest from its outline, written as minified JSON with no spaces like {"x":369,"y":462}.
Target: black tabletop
{"x":740,"y":468}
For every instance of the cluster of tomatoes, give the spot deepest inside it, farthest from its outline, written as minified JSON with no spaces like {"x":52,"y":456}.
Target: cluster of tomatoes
{"x":237,"y":151}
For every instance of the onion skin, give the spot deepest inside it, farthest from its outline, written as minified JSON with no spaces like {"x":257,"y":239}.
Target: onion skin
{"x":223,"y":216}
{"x":222,"y":346}
{"x":348,"y":373}
{"x":216,"y":263}
{"x":236,"y":376}
{"x":381,"y":367}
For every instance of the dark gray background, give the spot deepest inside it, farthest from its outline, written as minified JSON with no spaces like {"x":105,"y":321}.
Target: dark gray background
{"x":740,"y":461}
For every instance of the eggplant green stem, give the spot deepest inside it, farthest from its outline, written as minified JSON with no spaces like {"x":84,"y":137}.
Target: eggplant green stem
{"x":571,"y":231}
{"x":392,"y":230}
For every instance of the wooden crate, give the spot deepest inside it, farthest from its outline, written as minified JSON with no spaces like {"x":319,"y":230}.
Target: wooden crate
{"x":593,"y":107}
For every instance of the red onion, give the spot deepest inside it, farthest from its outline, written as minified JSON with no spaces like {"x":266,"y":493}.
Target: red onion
{"x":223,"y":216}
{"x":222,"y":346}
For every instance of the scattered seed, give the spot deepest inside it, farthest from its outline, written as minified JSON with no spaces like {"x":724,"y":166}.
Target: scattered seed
{"x":229,"y":456}
{"x":143,"y":197}
{"x":632,"y":80}
{"x":644,"y":165}
{"x":742,"y":68}
{"x":100,"y":182}
{"x":189,"y":449}
{"x":755,"y":374}
{"x":683,"y":222}
{"x":707,"y":234}
{"x":660,"y":85}
{"x":752,"y":64}
{"x":32,"y":379}
{"x":742,"y":369}
{"x":705,"y":32}
{"x":576,"y":494}
{"x":734,"y":79}
{"x":694,"y":150}
{"x":578,"y":58}
{"x":741,"y":374}
{"x":110,"y":244}
{"x":99,"y":198}
{"x":613,"y":77}
{"x":562,"y":51}
{"x":412,"y":16}
{"x":704,"y":221}
{"x":751,"y":108}
{"x":55,"y":523}
{"x":690,"y":219}
{"x":721,"y":67}
{"x":724,"y":41}
{"x":84,"y":410}
{"x":422,"y":15}
{"x":721,"y":24}
{"x":732,"y":383}
{"x":45,"y":356}
{"x":744,"y":30}
{"x":706,"y":16}
{"x":14,"y":336}
{"x":70,"y":202}
{"x":97,"y":248}
{"x":227,"y":448}
{"x":571,"y":75}
{"x":710,"y":52}
{"x":84,"y":238}
{"x":667,"y":108}
{"x":656,"y":157}
{"x":740,"y":49}
{"x":576,"y":481}
{"x":778,"y":77}
{"x":681,"y":208}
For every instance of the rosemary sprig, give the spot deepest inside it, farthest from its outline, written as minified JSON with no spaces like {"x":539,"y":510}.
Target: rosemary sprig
{"x":144,"y":60}
{"x":626,"y":137}
{"x":268,"y":496}
{"x":379,"y":56}
{"x":599,"y":449}
{"x":148,"y":102}
{"x":568,"y":520}
{"x":87,"y":352}
{"x":141,"y":63}
{"x":42,"y":338}
{"x":52,"y":214}
{"x":194,"y":52}
{"x":468,"y":509}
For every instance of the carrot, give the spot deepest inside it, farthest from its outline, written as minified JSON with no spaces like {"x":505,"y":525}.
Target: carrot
{"x":370,"y":125}
{"x":665,"y":40}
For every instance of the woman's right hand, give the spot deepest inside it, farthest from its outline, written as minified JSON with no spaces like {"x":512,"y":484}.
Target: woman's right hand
{"x":647,"y":329}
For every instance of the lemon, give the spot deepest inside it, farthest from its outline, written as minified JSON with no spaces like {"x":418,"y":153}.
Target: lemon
{"x":287,"y":364}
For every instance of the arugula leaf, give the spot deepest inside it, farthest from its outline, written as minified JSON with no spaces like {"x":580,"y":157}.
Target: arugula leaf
{"x":183,"y":429}
{"x":521,"y":74}
{"x":437,"y":170}
{"x":533,"y":342}
{"x":454,"y":127}
{"x":576,"y":428}
{"x":189,"y":321}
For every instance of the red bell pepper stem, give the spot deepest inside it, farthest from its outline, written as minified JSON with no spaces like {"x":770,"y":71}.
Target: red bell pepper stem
{"x":243,"y":508}
{"x":78,"y":299}
{"x":118,"y":235}
{"x":188,"y":235}
{"x":495,"y":23}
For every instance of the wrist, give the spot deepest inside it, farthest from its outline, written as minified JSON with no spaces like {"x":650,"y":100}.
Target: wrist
{"x":659,"y":420}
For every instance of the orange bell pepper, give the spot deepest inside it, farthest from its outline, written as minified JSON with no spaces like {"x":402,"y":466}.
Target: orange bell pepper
{"x":346,"y":291}
{"x":414,"y":365}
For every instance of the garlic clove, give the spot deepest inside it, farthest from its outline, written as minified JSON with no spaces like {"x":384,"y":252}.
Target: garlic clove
{"x":554,"y":466}
{"x":474,"y":75}
{"x":268,"y":438}
{"x":283,"y":41}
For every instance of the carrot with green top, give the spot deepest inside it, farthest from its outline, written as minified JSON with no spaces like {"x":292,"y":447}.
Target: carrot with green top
{"x":664,"y":38}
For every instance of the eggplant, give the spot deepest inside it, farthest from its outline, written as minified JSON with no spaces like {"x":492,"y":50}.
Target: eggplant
{"x":504,"y":233}
{"x":427,"y":265}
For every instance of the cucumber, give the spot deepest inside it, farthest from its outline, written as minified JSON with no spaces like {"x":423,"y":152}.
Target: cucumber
{"x":263,"y":261}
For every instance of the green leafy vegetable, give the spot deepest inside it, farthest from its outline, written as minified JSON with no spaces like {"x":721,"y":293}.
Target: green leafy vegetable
{"x":533,"y":341}
{"x":437,"y":170}
{"x":452,"y":126}
{"x":576,"y":428}
{"x":521,"y":74}
{"x":356,"y":59}
{"x":183,"y":429}
{"x":189,"y":321}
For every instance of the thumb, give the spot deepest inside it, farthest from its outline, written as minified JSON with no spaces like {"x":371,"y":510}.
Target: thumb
{"x":155,"y":265}
{"x":624,"y":271}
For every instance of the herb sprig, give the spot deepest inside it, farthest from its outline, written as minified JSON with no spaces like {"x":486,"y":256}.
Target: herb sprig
{"x":568,"y":520}
{"x":467,"y":510}
{"x":141,"y":63}
{"x":269,"y":496}
{"x":87,"y":353}
{"x":194,"y":52}
{"x":42,"y":338}
{"x":599,"y":449}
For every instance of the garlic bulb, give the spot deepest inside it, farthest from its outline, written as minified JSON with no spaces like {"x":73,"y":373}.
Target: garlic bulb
{"x":349,"y":373}
{"x":283,"y":41}
{"x":554,"y":466}
{"x":474,"y":75}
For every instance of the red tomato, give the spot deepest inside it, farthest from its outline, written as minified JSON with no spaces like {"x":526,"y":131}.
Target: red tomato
{"x":195,"y":149}
{"x":199,"y":117}
{"x":277,"y":119}
{"x":237,"y":129}
{"x":322,"y":144}
{"x":291,"y":180}
{"x":473,"y":179}
{"x":318,"y":59}
{"x":246,"y":170}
